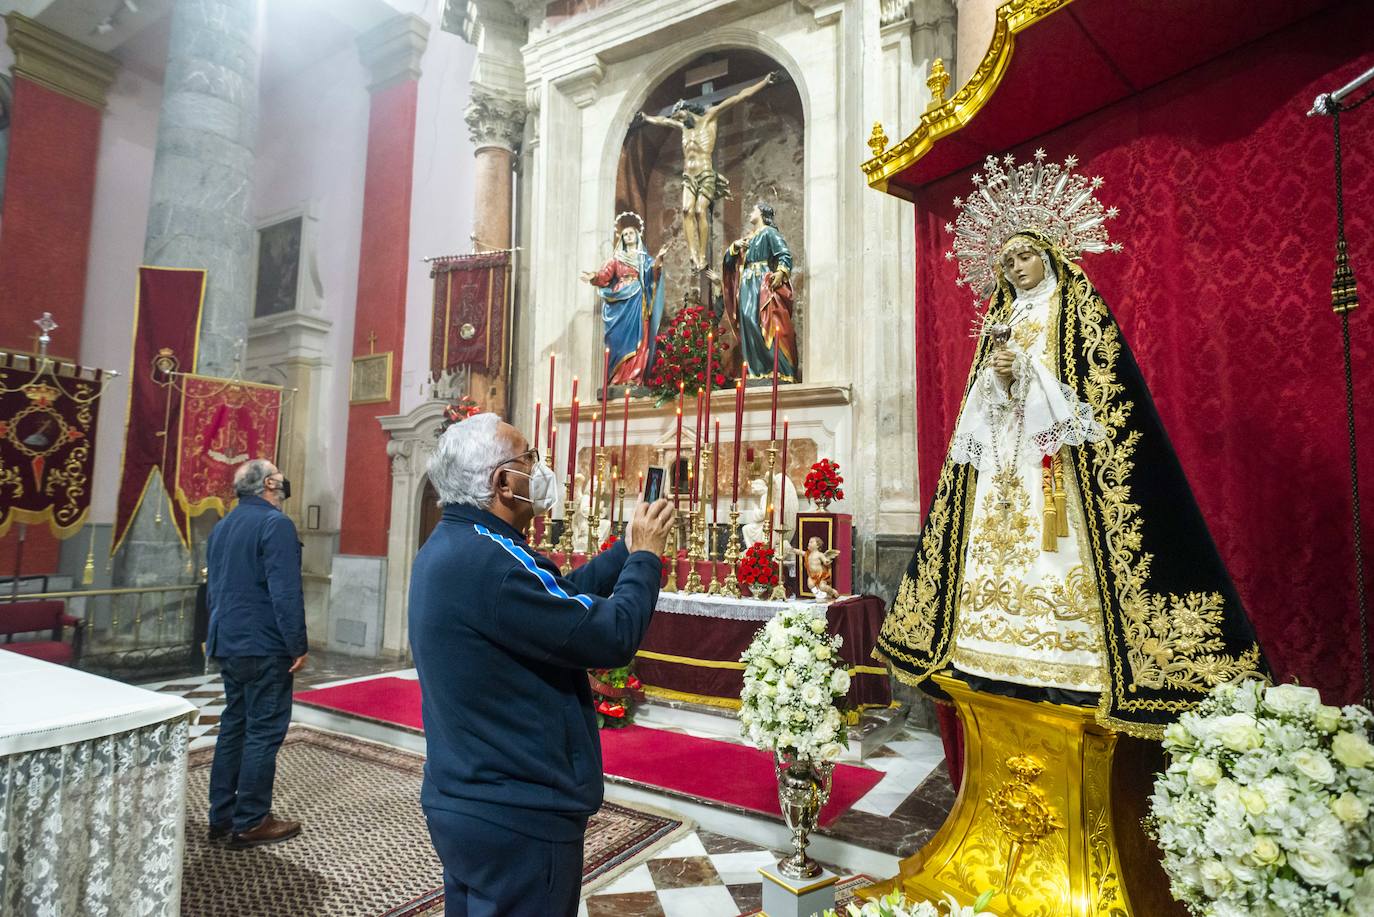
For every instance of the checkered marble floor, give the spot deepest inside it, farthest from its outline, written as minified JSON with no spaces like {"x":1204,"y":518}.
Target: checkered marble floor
{"x":700,"y":875}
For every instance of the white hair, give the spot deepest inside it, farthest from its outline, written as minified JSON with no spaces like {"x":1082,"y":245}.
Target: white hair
{"x":251,"y":477}
{"x":463,"y":462}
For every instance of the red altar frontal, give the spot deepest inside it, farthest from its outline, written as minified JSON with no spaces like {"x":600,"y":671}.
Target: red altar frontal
{"x":691,"y":652}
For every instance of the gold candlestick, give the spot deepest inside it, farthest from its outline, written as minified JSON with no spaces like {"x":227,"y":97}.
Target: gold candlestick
{"x":594,"y":506}
{"x":565,"y":540}
{"x":732,"y":555}
{"x":624,"y":523}
{"x":672,"y":559}
{"x":546,"y":537}
{"x":768,"y":507}
{"x":693,"y":552}
{"x":703,"y":525}
{"x":779,"y":593}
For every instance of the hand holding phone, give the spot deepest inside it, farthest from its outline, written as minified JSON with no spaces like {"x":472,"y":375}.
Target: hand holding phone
{"x":653,"y":483}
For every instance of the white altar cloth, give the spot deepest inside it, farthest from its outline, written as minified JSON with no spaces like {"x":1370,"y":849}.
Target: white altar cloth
{"x":744,"y":608}
{"x":92,"y":793}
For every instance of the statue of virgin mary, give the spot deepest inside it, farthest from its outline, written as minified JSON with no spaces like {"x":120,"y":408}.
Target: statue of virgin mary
{"x":1064,"y":557}
{"x":631,"y":301}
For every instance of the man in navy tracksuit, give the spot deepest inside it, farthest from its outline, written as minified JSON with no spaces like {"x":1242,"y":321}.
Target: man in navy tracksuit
{"x":502,"y":644}
{"x":257,"y":635}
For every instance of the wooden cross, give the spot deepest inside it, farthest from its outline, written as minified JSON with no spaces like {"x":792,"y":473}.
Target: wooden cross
{"x":372,"y":342}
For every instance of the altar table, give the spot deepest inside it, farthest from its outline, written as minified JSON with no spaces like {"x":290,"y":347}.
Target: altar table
{"x":692,"y":648}
{"x":92,"y":793}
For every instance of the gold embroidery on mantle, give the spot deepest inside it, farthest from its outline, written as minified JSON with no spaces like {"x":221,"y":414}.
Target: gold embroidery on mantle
{"x":1003,"y":538}
{"x":1013,"y":668}
{"x":1173,"y":641}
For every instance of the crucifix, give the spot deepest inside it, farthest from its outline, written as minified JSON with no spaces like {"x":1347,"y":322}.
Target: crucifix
{"x":371,"y":342}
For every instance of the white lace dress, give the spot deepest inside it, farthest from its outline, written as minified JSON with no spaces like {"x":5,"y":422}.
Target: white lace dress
{"x":1027,"y":612}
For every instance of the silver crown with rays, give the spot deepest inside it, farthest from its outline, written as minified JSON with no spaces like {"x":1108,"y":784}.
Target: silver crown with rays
{"x":1047,"y":198}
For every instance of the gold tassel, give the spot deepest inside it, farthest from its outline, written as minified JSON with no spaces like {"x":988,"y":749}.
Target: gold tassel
{"x":88,"y":573}
{"x":1049,"y":540}
{"x":1061,"y":509}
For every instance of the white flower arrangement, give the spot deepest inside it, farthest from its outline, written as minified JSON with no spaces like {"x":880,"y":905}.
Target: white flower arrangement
{"x":1264,"y":808}
{"x":894,"y":904}
{"x":792,"y":673}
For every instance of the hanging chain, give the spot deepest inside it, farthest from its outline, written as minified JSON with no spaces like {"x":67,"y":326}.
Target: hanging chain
{"x":1344,"y":299}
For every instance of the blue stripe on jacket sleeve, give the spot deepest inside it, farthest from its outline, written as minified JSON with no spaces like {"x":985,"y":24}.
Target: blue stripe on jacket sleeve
{"x":550,"y":584}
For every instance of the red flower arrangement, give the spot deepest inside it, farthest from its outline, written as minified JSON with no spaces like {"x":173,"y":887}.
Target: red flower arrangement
{"x":823,"y":483}
{"x":457,"y":411}
{"x":681,"y":356}
{"x":758,"y":566}
{"x":615,"y":694}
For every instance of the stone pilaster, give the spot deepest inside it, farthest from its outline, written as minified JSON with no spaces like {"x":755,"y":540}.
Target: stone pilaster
{"x":199,"y":214}
{"x":391,"y":51}
{"x":54,"y":61}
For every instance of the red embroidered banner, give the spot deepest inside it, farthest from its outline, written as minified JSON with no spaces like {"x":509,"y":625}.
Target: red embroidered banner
{"x":47,"y":442}
{"x":224,"y":423}
{"x":471,"y":297}
{"x":166,"y":318}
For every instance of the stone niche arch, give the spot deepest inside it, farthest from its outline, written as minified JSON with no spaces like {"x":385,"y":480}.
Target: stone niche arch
{"x":760,"y":149}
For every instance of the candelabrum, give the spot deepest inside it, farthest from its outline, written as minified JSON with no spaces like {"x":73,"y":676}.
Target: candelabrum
{"x":704,"y":487}
{"x":693,"y":551}
{"x":768,"y":507}
{"x":623,"y":523}
{"x":732,"y":555}
{"x":594,"y":507}
{"x":565,"y":540}
{"x":672,"y":559}
{"x":779,"y":593}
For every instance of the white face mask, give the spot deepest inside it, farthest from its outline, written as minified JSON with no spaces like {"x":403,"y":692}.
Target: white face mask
{"x":543,"y":488}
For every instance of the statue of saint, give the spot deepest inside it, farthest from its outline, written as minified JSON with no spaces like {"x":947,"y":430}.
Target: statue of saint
{"x":1064,"y":557}
{"x":758,"y":297}
{"x":702,"y":185}
{"x":631,"y":301}
{"x":754,"y":519}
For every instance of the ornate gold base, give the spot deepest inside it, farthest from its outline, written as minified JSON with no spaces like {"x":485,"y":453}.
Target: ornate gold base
{"x":1033,"y":818}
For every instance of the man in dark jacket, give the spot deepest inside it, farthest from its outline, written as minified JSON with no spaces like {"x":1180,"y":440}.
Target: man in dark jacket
{"x":502,"y":644}
{"x":257,"y":635}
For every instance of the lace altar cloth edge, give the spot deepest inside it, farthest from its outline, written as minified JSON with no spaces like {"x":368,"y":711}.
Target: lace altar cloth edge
{"x":719,"y":606}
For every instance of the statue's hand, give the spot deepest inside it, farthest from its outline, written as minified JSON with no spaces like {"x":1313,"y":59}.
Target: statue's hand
{"x":587,"y":276}
{"x":637,"y":120}
{"x":661,"y":252}
{"x":1003,"y":363}
{"x":774,"y":77}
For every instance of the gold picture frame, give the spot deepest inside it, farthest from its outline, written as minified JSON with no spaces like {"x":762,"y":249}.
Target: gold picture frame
{"x":370,"y":380}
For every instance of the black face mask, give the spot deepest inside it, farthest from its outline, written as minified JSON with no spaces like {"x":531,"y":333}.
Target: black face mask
{"x":285,"y":488}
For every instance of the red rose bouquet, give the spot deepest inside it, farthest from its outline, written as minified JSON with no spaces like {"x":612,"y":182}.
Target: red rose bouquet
{"x":615,"y":692}
{"x":758,"y":567}
{"x":457,"y":411}
{"x":681,"y":356}
{"x":823,"y":483}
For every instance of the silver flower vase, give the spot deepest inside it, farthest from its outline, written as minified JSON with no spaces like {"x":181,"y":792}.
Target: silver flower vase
{"x":803,"y":788}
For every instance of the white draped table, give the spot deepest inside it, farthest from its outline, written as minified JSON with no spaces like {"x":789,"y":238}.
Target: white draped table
{"x":92,"y":794}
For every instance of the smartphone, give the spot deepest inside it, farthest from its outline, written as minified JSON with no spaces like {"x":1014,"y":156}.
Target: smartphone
{"x":653,"y":483}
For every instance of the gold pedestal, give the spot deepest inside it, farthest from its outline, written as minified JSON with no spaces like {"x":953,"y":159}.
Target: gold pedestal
{"x":1033,"y":817}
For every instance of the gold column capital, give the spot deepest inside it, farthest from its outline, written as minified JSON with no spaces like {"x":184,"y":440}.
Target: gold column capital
{"x":59,"y":63}
{"x":391,"y":51}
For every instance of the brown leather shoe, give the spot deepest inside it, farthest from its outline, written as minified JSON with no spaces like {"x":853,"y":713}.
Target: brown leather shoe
{"x":220,"y":833}
{"x":271,"y":830}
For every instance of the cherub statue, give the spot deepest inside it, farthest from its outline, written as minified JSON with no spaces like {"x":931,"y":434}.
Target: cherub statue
{"x":817,"y":565}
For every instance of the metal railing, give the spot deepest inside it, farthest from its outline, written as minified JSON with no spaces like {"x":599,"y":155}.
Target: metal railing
{"x":133,"y":629}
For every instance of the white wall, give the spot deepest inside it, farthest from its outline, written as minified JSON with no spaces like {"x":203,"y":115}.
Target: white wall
{"x":441,"y":194}
{"x":312,"y":154}
{"x":119,"y":218}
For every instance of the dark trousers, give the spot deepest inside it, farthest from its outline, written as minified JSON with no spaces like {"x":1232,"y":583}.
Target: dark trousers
{"x":490,"y":871}
{"x":257,"y":711}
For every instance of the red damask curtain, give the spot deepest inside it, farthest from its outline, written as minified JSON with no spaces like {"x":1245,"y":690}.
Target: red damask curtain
{"x":1226,"y":192}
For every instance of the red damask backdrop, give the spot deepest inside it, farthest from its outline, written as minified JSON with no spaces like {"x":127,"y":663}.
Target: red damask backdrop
{"x":1226,"y":192}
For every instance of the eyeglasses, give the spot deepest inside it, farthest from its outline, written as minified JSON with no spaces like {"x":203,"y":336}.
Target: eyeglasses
{"x":531,"y":454}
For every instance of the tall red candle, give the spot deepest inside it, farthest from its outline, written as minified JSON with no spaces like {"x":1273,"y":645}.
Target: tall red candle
{"x":552,"y":357}
{"x":710,"y":379}
{"x":537,"y":406}
{"x":782,"y":497}
{"x":591,"y":489}
{"x":715,"y":477}
{"x":605,"y":392}
{"x":739,"y":421}
{"x":625,"y":433}
{"x":696,"y":457}
{"x":773,"y":420}
{"x":572,"y":440}
{"x":553,"y":443}
{"x":677,"y":452}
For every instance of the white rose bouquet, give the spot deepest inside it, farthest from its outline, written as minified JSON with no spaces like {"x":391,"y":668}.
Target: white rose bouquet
{"x":894,"y":904}
{"x":1264,"y":808}
{"x":792,"y":675}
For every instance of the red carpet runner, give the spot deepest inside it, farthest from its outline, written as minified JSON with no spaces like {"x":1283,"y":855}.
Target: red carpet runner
{"x":723,"y":772}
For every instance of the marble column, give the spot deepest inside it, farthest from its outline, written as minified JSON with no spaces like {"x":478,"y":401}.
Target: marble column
{"x":496,"y":123}
{"x":199,"y":215}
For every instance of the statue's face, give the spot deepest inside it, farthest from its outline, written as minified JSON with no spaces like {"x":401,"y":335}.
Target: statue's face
{"x":1025,"y":267}
{"x":629,"y":237}
{"x":755,"y":217}
{"x":814,"y":544}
